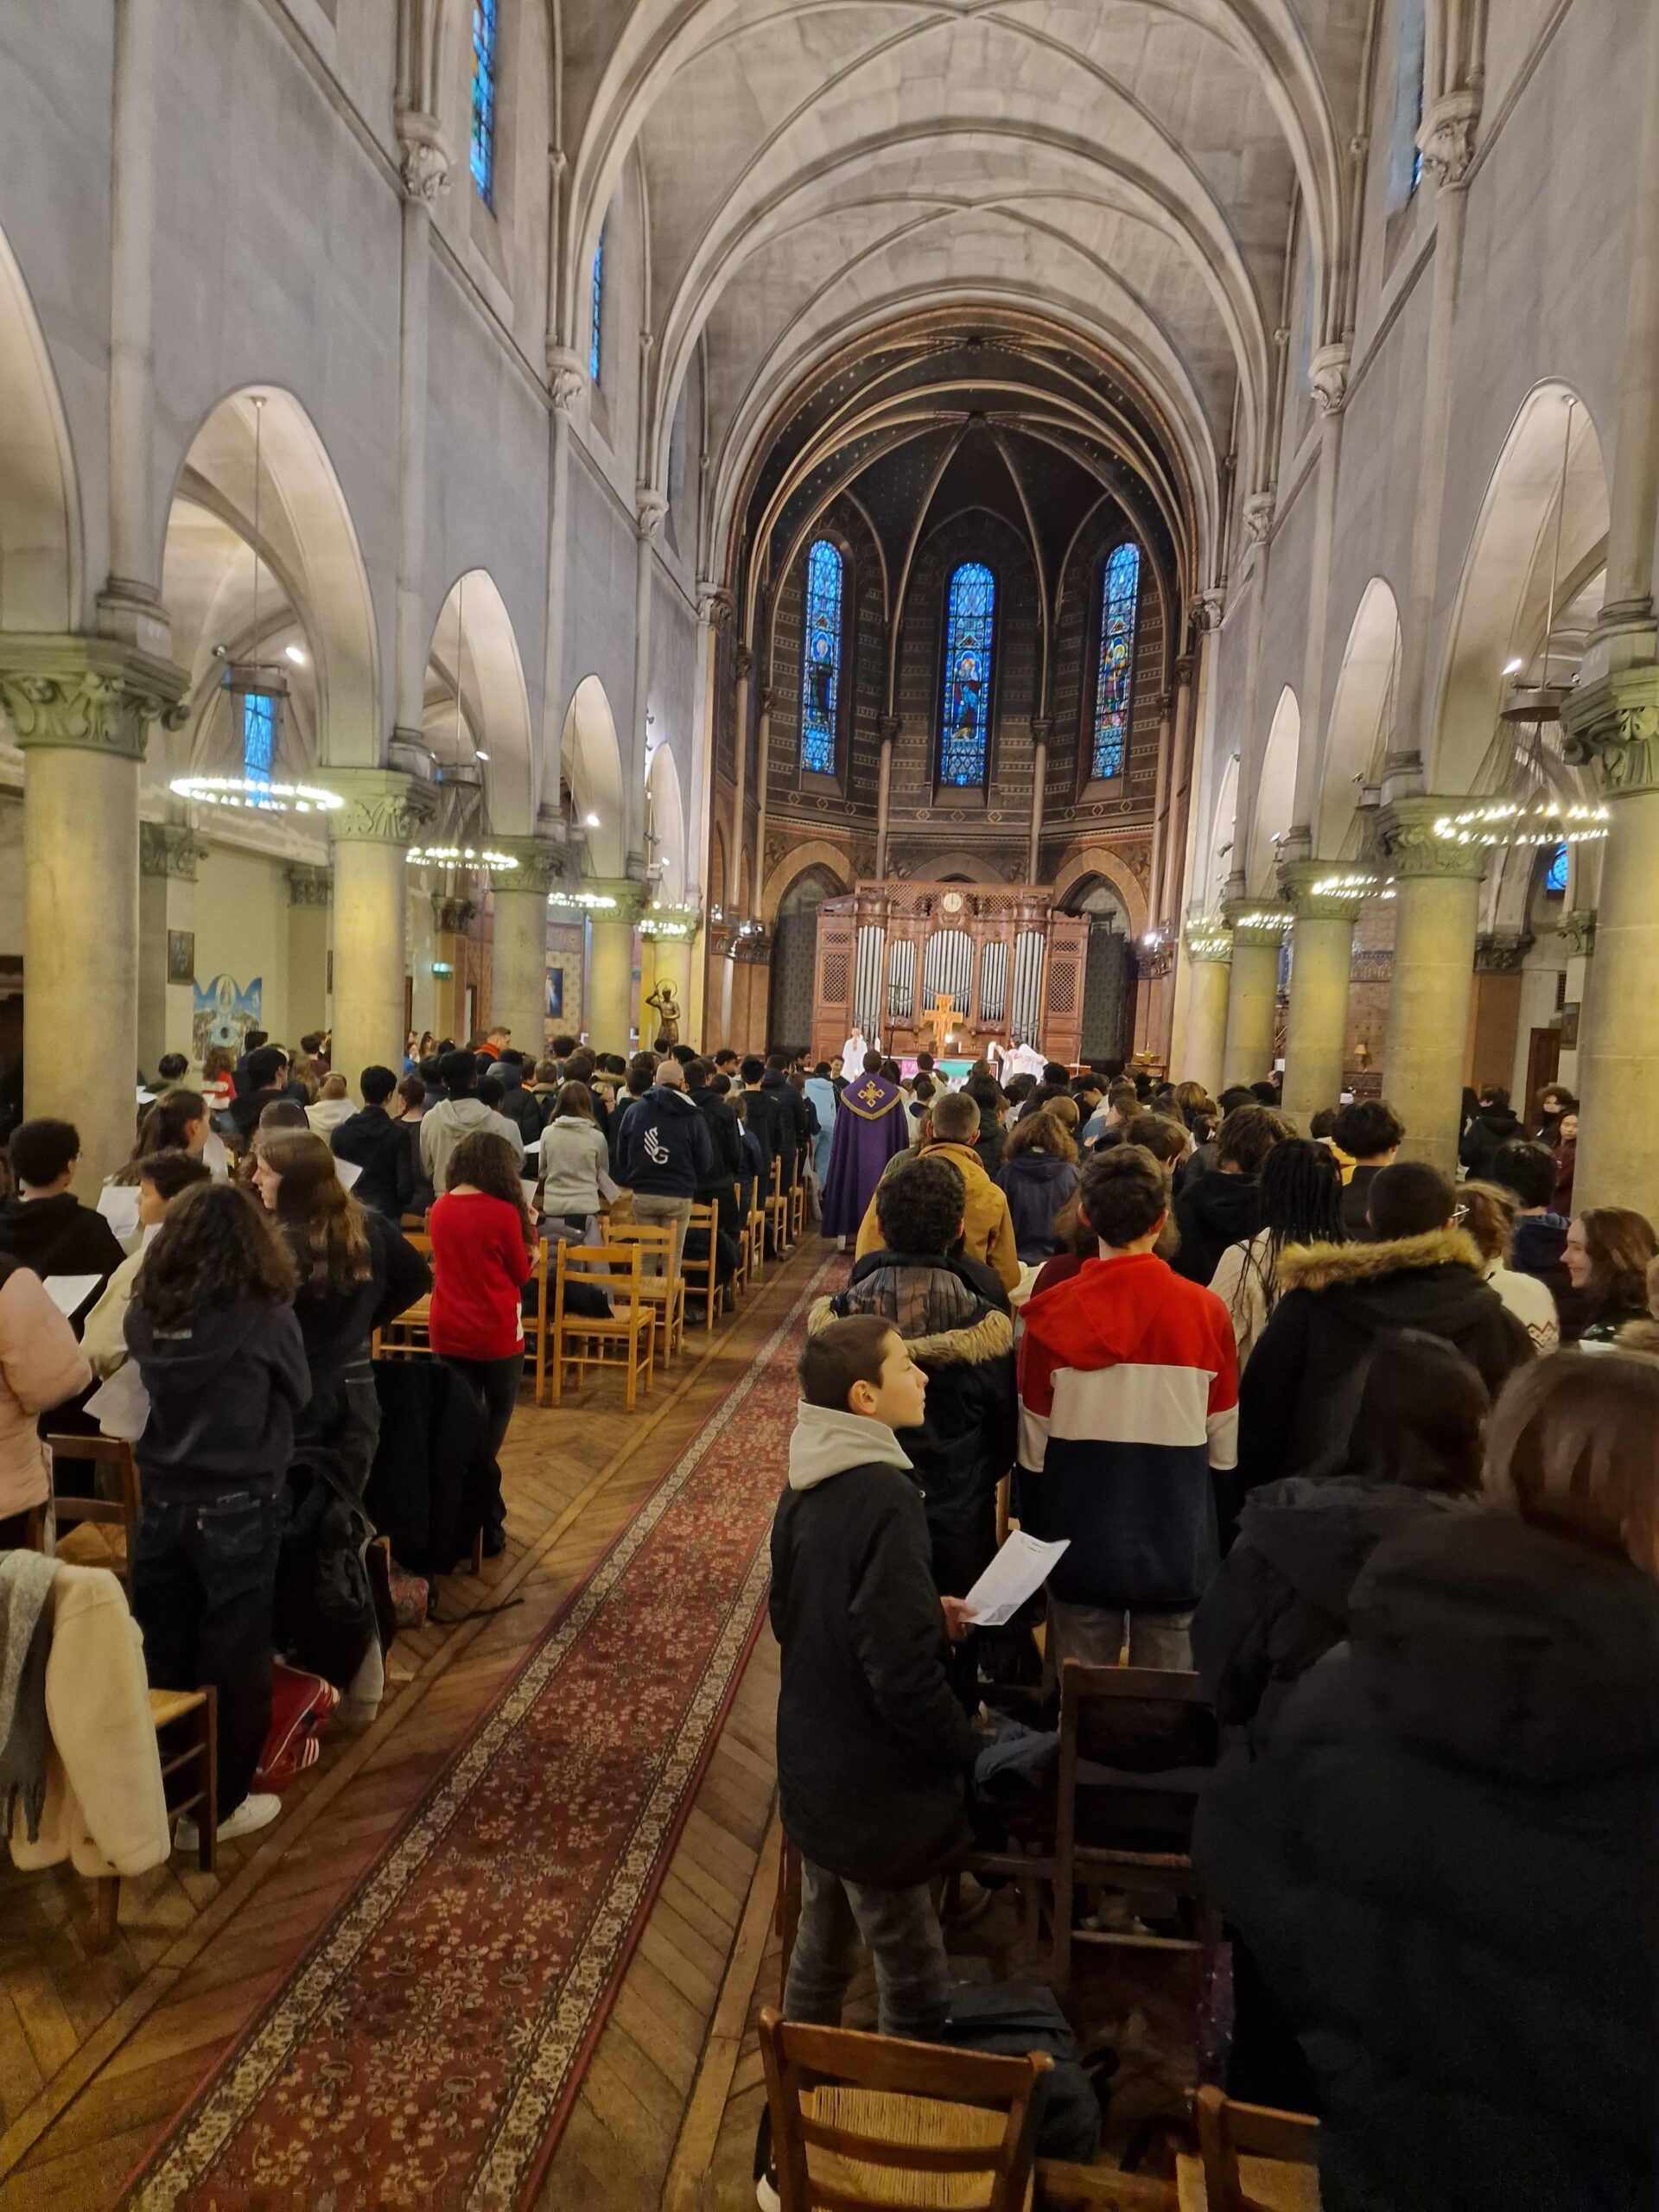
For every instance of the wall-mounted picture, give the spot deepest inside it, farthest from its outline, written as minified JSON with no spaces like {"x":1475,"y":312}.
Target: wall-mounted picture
{"x":225,"y":1013}
{"x":555,"y":993}
{"x":180,"y":956}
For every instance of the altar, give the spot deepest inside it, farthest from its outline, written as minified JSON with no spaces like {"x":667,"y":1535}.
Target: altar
{"x":948,"y":967}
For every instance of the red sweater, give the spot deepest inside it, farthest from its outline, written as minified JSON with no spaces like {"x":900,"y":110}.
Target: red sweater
{"x":480,"y":1266}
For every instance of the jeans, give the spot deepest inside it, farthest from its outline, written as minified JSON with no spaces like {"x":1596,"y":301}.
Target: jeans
{"x":901,"y":1930}
{"x":495,"y":1385}
{"x":648,"y":1207}
{"x":202,"y":1578}
{"x":1095,"y":1634}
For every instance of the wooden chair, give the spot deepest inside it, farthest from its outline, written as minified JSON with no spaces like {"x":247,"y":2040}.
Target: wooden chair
{"x":537,"y":1325}
{"x":740,"y":1272}
{"x":702,"y":1276}
{"x":1251,"y":2158}
{"x":579,"y":1339}
{"x":867,"y":2121}
{"x":777,"y":1211}
{"x":1062,"y":2187}
{"x":120,"y":1511}
{"x":797,"y":1203}
{"x":168,"y":1708}
{"x":665,"y":1289}
{"x":757,"y":1232}
{"x":405,"y":1335}
{"x":1149,"y":1738}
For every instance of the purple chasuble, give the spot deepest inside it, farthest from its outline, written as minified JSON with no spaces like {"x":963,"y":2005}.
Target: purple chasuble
{"x":870,"y":1127}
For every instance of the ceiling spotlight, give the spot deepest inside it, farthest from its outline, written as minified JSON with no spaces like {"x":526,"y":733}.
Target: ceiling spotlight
{"x":1513,"y":667}
{"x":592,"y":820}
{"x":480,"y":755}
{"x":296,"y":654}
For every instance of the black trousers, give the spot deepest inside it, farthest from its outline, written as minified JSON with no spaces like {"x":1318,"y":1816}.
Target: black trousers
{"x":495,"y":1385}
{"x":203,"y":1579}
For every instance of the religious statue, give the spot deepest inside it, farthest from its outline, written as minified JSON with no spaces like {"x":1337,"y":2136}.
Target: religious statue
{"x":941,"y":1020}
{"x":668,"y":1015}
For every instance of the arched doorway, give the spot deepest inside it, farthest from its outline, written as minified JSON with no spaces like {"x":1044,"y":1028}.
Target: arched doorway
{"x":1108,"y":971}
{"x":794,"y":951}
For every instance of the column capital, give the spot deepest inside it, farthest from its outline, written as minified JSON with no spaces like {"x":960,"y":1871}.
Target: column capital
{"x":309,"y":883}
{"x":423,"y":157}
{"x":1183,"y":671}
{"x":567,"y":377}
{"x":1410,"y":837}
{"x":1327,"y":374}
{"x":543,"y":862}
{"x":1255,"y":921}
{"x":714,"y":604}
{"x":86,"y":694}
{"x":381,"y":806}
{"x":1208,"y":609}
{"x":1613,"y":726}
{"x":1446,"y":137}
{"x":1577,"y":931}
{"x":670,"y":922}
{"x":1208,"y":938}
{"x":650,"y":512}
{"x":603,"y":898}
{"x":887,"y":728}
{"x":1502,"y":952}
{"x":168,"y":848}
{"x":1323,"y":891}
{"x":1258,"y":517}
{"x":1042,"y":729}
{"x":742,"y":660}
{"x":765,"y":700}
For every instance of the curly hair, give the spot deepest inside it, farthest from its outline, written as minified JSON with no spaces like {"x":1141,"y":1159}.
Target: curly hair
{"x":323,"y":1221}
{"x":215,"y":1249}
{"x":1041,"y":1132}
{"x":487,"y":1161}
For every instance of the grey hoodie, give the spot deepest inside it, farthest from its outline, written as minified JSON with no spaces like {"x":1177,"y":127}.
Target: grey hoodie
{"x":827,"y":1442}
{"x":444,"y":1125}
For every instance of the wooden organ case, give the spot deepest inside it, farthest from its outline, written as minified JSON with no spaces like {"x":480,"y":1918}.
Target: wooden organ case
{"x":1011,"y":962}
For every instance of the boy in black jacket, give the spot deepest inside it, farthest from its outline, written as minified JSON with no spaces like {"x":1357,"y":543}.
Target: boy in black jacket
{"x":873,"y":1750}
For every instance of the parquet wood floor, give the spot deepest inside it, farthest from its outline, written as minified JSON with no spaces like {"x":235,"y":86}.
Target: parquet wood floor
{"x":97,"y":2054}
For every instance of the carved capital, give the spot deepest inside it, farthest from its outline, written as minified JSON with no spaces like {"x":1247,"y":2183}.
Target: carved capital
{"x":1502,"y":952}
{"x":168,"y":848}
{"x":1208,"y":938}
{"x":1258,"y":517}
{"x":1577,"y":931}
{"x":1255,"y":921}
{"x":89,"y":695}
{"x":713,"y":604}
{"x":650,"y":514}
{"x":381,"y":807}
{"x":543,"y":862}
{"x":609,"y":900}
{"x":1321,"y":891}
{"x":1327,"y":373}
{"x":1207,"y":611}
{"x":1408,"y":836}
{"x":309,"y":885}
{"x":1613,"y":726}
{"x":768,"y":695}
{"x":567,"y":377}
{"x":1183,"y":671}
{"x":1446,"y":137}
{"x":1042,"y":729}
{"x":423,"y":157}
{"x":887,"y":728}
{"x":742,"y":661}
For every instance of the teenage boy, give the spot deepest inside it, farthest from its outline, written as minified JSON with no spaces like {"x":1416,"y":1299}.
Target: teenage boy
{"x":873,"y":1750}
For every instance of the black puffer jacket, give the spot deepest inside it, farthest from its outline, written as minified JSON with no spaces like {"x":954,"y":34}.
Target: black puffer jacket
{"x":953,"y":1316}
{"x":1211,"y":1213}
{"x":873,"y":1750}
{"x":1492,"y":1126}
{"x":1295,"y":1397}
{"x":1447,"y":1866}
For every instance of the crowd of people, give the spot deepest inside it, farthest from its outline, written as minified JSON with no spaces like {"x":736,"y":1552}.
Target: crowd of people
{"x":1371,"y":1450}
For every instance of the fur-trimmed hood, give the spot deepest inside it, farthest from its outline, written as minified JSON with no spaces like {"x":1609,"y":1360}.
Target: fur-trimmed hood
{"x":1335,"y":1266}
{"x":1639,"y":1336}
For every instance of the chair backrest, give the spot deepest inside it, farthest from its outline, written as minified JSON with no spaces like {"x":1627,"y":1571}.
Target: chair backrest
{"x":1137,"y":1746}
{"x":614,"y":1268}
{"x":113,"y":1452}
{"x":419,"y":1240}
{"x":1064,"y":2188}
{"x":1228,"y":2132}
{"x":850,"y":2113}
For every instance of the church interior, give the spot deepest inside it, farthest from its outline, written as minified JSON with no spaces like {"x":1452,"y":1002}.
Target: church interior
{"x":1103,"y":543}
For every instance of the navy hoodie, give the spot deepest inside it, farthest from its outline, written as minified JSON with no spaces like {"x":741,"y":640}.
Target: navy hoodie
{"x":665,"y":1147}
{"x":223,"y":1389}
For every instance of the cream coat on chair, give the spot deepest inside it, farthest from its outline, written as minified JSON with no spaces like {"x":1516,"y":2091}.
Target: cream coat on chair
{"x":105,"y":1806}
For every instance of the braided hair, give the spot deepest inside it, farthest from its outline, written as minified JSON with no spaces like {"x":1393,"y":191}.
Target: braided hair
{"x":1301,"y":1204}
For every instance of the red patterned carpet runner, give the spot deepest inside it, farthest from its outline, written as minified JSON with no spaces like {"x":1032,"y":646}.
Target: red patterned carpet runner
{"x":426,"y":2051}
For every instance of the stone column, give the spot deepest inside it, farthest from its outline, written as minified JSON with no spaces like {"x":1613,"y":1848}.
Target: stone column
{"x":648,"y":527}
{"x":1252,"y":990}
{"x":671,"y":962}
{"x":608,"y":1000}
{"x":889,"y":730}
{"x":135,"y":546}
{"x":1328,"y":373}
{"x":518,"y":955}
{"x":424,"y":161}
{"x":1166,"y":884}
{"x":742,"y":665}
{"x":383,"y":814}
{"x":80,"y":708}
{"x":1436,"y":917}
{"x":1209,"y":954}
{"x":1577,"y":932}
{"x":762,"y":779}
{"x":1322,"y":954}
{"x":167,"y":858}
{"x":1042,"y":729}
{"x":310,"y":890}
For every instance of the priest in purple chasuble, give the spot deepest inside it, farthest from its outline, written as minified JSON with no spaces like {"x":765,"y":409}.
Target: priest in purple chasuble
{"x":871,"y":1126}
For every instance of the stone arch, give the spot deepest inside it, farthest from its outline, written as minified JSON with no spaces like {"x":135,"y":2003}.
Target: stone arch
{"x":1275,"y":796}
{"x":590,"y":760}
{"x":1362,"y":711}
{"x":1499,"y":616}
{"x":473,"y":666}
{"x":1217,"y":864}
{"x":668,"y":825}
{"x":794,"y":928}
{"x":314,"y":588}
{"x":817,"y":852}
{"x":41,"y":549}
{"x":1088,"y":861}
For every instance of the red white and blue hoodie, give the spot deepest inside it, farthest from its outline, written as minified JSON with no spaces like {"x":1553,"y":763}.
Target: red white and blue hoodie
{"x":1128,"y":1398}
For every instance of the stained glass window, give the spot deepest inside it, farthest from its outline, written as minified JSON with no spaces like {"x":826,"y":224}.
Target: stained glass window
{"x":820,"y":658}
{"x":484,"y":99}
{"x":1555,"y":874}
{"x":970,"y":607}
{"x":1119,"y":594}
{"x":598,"y":307}
{"x":258,"y":737}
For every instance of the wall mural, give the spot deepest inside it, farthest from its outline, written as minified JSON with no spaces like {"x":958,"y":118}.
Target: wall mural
{"x":223,"y":1013}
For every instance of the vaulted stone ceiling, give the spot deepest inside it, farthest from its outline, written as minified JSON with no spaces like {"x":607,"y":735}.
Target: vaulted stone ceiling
{"x":1121,"y":178}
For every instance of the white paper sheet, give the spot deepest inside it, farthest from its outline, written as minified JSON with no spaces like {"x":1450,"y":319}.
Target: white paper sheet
{"x":68,"y":1291}
{"x":528,"y":1190}
{"x":608,"y":1190}
{"x":217,"y":1160}
{"x":1023,"y":1565}
{"x":118,"y":1204}
{"x":348,"y":1170}
{"x":121,"y":1405}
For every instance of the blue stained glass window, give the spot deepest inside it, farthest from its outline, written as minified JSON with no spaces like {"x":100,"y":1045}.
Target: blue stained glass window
{"x":258,"y":737}
{"x":484,"y":99}
{"x":1120,"y":599}
{"x":970,"y":607}
{"x":820,"y":658}
{"x":1555,"y":874}
{"x":598,"y":307}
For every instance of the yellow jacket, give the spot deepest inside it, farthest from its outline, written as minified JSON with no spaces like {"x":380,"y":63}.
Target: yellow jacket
{"x":988,"y":1233}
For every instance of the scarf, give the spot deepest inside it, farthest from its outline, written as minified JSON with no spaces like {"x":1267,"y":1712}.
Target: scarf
{"x":25,"y":1641}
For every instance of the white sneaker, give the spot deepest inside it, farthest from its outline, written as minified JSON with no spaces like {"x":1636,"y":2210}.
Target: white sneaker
{"x":257,"y":1811}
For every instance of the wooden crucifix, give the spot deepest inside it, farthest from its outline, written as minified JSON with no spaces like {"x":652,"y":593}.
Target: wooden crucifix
{"x":941,"y":1019}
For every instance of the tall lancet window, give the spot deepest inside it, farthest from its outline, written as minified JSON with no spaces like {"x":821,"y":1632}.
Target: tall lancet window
{"x":1119,"y":598}
{"x":598,"y":309}
{"x":483,"y":149}
{"x":970,"y":611}
{"x":820,"y":658}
